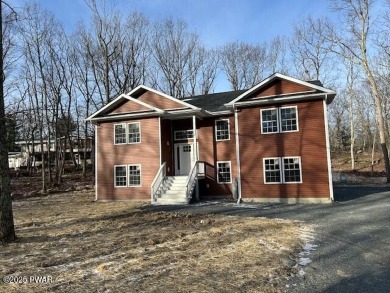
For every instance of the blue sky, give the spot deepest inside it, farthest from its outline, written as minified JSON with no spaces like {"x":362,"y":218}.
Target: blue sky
{"x":216,"y":21}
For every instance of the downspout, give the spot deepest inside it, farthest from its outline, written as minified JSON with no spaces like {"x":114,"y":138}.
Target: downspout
{"x":237,"y":153}
{"x":331,"y":195}
{"x":96,"y":163}
{"x":196,"y":155}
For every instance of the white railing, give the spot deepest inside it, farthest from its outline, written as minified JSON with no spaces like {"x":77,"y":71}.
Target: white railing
{"x":157,"y":182}
{"x":192,"y":178}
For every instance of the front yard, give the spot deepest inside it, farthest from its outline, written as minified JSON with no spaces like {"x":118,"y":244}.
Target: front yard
{"x":84,"y":246}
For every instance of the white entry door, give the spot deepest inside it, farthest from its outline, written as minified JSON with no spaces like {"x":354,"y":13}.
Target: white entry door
{"x":184,"y":154}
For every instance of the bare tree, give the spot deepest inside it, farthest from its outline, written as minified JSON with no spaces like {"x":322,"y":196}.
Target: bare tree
{"x":7,"y":229}
{"x":244,"y":64}
{"x":309,"y":51}
{"x":355,"y":41}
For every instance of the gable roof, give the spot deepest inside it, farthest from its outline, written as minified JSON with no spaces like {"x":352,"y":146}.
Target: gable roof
{"x":275,"y":76}
{"x":213,"y":102}
{"x":276,"y":88}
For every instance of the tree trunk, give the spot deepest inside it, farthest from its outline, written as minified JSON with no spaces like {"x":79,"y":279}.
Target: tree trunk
{"x":7,"y":228}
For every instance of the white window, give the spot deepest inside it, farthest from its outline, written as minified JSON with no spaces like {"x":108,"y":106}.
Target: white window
{"x":120,"y":175}
{"x":292,"y":169}
{"x":135,"y":175}
{"x":222,"y":129}
{"x":120,"y":133}
{"x":224,"y":174}
{"x":288,"y":119}
{"x":134,"y":132}
{"x":272,"y":170}
{"x":184,"y":134}
{"x":269,"y":120}
{"x":282,"y":170}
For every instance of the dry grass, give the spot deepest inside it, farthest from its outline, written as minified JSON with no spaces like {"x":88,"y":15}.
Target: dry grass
{"x":117,"y":247}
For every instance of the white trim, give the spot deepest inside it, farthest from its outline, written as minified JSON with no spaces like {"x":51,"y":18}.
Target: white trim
{"x":128,"y":175}
{"x":285,"y":95}
{"x":158,"y":110}
{"x":96,"y":165}
{"x":238,"y":159}
{"x":164,"y":95}
{"x":277,"y":99}
{"x":281,"y":76}
{"x":300,"y":169}
{"x":159,"y":139}
{"x":230,"y":167}
{"x":181,"y":139}
{"x":127,"y":132}
{"x":280,"y":119}
{"x":331,"y":195}
{"x":126,"y":185}
{"x":195,"y":140}
{"x":215,"y":125}
{"x":280,"y":170}
{"x":122,"y":143}
{"x":261,"y":120}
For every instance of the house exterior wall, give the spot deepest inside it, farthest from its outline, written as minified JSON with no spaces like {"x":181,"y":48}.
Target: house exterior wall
{"x":146,"y":153}
{"x":309,"y":143}
{"x":279,"y":87}
{"x":167,"y":146}
{"x":211,"y":151}
{"x":128,"y":107}
{"x":159,"y":101}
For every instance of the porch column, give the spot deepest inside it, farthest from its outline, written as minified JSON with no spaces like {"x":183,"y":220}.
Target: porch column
{"x":195,"y":138}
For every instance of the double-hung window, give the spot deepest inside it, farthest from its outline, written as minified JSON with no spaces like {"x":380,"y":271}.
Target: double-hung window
{"x":288,"y":119}
{"x":135,"y":175}
{"x":224,"y":172}
{"x":222,"y":129}
{"x":127,"y":175}
{"x":134,"y":132}
{"x":127,"y":133}
{"x":283,"y":119}
{"x":120,"y":133}
{"x":120,"y":175}
{"x":269,"y":120}
{"x":282,"y":170}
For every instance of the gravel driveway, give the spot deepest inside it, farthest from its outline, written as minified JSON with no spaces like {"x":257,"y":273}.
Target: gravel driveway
{"x":352,"y":237}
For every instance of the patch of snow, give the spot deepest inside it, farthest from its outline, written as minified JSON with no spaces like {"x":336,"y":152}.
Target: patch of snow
{"x":304,"y":261}
{"x":301,"y":272}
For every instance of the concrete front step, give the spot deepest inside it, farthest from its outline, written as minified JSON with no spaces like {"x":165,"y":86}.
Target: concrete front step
{"x":173,"y":191}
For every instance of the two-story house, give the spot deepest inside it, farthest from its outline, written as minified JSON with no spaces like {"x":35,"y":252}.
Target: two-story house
{"x":268,"y":143}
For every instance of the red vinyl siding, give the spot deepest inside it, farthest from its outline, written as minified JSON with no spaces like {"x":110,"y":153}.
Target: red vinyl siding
{"x":280,"y":87}
{"x":146,"y":153}
{"x":128,"y":107}
{"x":309,"y":143}
{"x":159,"y":101}
{"x":212,"y":151}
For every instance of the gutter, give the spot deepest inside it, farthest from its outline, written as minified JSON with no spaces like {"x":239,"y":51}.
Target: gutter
{"x":237,"y":154}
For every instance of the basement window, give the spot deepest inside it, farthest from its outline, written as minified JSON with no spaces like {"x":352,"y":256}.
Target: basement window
{"x":224,"y":174}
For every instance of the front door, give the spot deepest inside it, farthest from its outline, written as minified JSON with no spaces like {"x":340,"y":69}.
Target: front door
{"x":183,"y":158}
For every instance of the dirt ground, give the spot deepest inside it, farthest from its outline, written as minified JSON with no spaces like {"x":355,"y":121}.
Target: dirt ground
{"x":77,"y":245}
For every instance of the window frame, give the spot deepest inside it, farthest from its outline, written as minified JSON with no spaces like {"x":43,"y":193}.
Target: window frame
{"x":296,"y":118}
{"x":128,"y":133}
{"x":277,"y":120}
{"x":140,"y":175}
{"x":187,"y":131}
{"x":125,"y":127}
{"x":280,"y":170}
{"x":230,"y":172}
{"x":216,"y":129}
{"x":300,"y":169}
{"x":115,"y":176}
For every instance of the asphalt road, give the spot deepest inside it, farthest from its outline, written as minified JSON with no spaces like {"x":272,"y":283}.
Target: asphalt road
{"x":352,"y":234}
